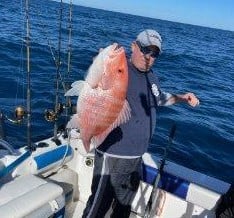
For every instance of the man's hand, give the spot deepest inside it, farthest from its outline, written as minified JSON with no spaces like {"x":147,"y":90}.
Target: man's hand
{"x":191,"y":99}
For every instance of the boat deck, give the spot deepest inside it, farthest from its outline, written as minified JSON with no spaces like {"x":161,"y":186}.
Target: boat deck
{"x":75,"y":209}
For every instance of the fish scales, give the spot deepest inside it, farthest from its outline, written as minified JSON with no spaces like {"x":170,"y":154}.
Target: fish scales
{"x":102,"y":104}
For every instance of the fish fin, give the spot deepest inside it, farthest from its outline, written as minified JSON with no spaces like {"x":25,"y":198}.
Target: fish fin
{"x":86,"y":146}
{"x":77,"y":86}
{"x":123,"y":117}
{"x":73,"y":122}
{"x":97,"y":140}
{"x":78,"y":83}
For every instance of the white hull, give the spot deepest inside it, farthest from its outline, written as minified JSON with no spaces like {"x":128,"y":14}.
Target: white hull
{"x":55,"y":179}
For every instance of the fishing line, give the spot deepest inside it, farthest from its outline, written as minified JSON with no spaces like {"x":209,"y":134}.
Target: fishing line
{"x":52,"y":51}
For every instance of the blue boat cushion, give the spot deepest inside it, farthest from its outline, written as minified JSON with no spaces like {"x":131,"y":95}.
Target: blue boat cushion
{"x":52,"y":158}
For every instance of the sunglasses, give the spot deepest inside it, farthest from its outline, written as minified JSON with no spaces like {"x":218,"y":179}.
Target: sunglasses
{"x":148,"y":51}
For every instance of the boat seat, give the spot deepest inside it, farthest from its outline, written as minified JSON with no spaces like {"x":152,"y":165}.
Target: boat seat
{"x":30,"y":196}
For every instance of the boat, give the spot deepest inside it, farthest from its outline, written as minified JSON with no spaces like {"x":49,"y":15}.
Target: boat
{"x":56,"y":180}
{"x":52,"y":178}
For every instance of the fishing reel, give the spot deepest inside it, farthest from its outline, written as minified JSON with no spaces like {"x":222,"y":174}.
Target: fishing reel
{"x":52,"y":115}
{"x":19,"y":115}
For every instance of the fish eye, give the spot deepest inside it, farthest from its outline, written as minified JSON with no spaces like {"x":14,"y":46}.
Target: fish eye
{"x":120,"y":71}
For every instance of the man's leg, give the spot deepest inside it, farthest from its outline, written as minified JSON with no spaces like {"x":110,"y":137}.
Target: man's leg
{"x":125,"y":179}
{"x":102,"y":193}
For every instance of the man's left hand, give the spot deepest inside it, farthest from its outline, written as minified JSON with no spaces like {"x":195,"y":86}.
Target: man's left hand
{"x":191,"y":99}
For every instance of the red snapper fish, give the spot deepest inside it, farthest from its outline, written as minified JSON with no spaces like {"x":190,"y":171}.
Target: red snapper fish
{"x":102,"y":104}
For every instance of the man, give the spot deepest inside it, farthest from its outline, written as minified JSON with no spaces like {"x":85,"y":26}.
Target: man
{"x":118,"y":159}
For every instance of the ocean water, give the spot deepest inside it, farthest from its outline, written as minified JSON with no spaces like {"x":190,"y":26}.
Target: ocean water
{"x":194,"y":59}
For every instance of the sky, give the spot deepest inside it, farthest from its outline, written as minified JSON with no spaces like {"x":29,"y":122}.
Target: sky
{"x":210,"y":13}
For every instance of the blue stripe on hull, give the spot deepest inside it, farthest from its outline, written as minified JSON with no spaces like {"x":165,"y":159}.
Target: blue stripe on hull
{"x":168,"y":182}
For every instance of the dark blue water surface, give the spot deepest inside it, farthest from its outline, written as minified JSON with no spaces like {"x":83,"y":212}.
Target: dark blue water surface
{"x":196,"y":59}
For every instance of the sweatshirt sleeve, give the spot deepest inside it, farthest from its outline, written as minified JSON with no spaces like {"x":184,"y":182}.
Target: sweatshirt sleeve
{"x":161,"y":96}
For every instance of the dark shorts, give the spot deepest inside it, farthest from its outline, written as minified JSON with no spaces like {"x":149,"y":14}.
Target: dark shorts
{"x":115,"y":182}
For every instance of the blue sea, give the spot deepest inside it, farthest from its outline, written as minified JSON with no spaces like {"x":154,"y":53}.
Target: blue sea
{"x":194,"y":59}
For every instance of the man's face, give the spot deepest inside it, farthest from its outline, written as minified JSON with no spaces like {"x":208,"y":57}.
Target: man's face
{"x":143,"y":57}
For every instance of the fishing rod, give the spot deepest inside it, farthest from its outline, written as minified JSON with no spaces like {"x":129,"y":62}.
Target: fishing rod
{"x":2,"y":132}
{"x":50,"y":114}
{"x":69,"y":39}
{"x":55,"y":138}
{"x":20,"y":112}
{"x":151,"y":205}
{"x":68,"y":99}
{"x":45,"y":33}
{"x":29,"y":144}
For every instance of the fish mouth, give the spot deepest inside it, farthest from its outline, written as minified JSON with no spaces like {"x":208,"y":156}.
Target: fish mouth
{"x":117,"y":48}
